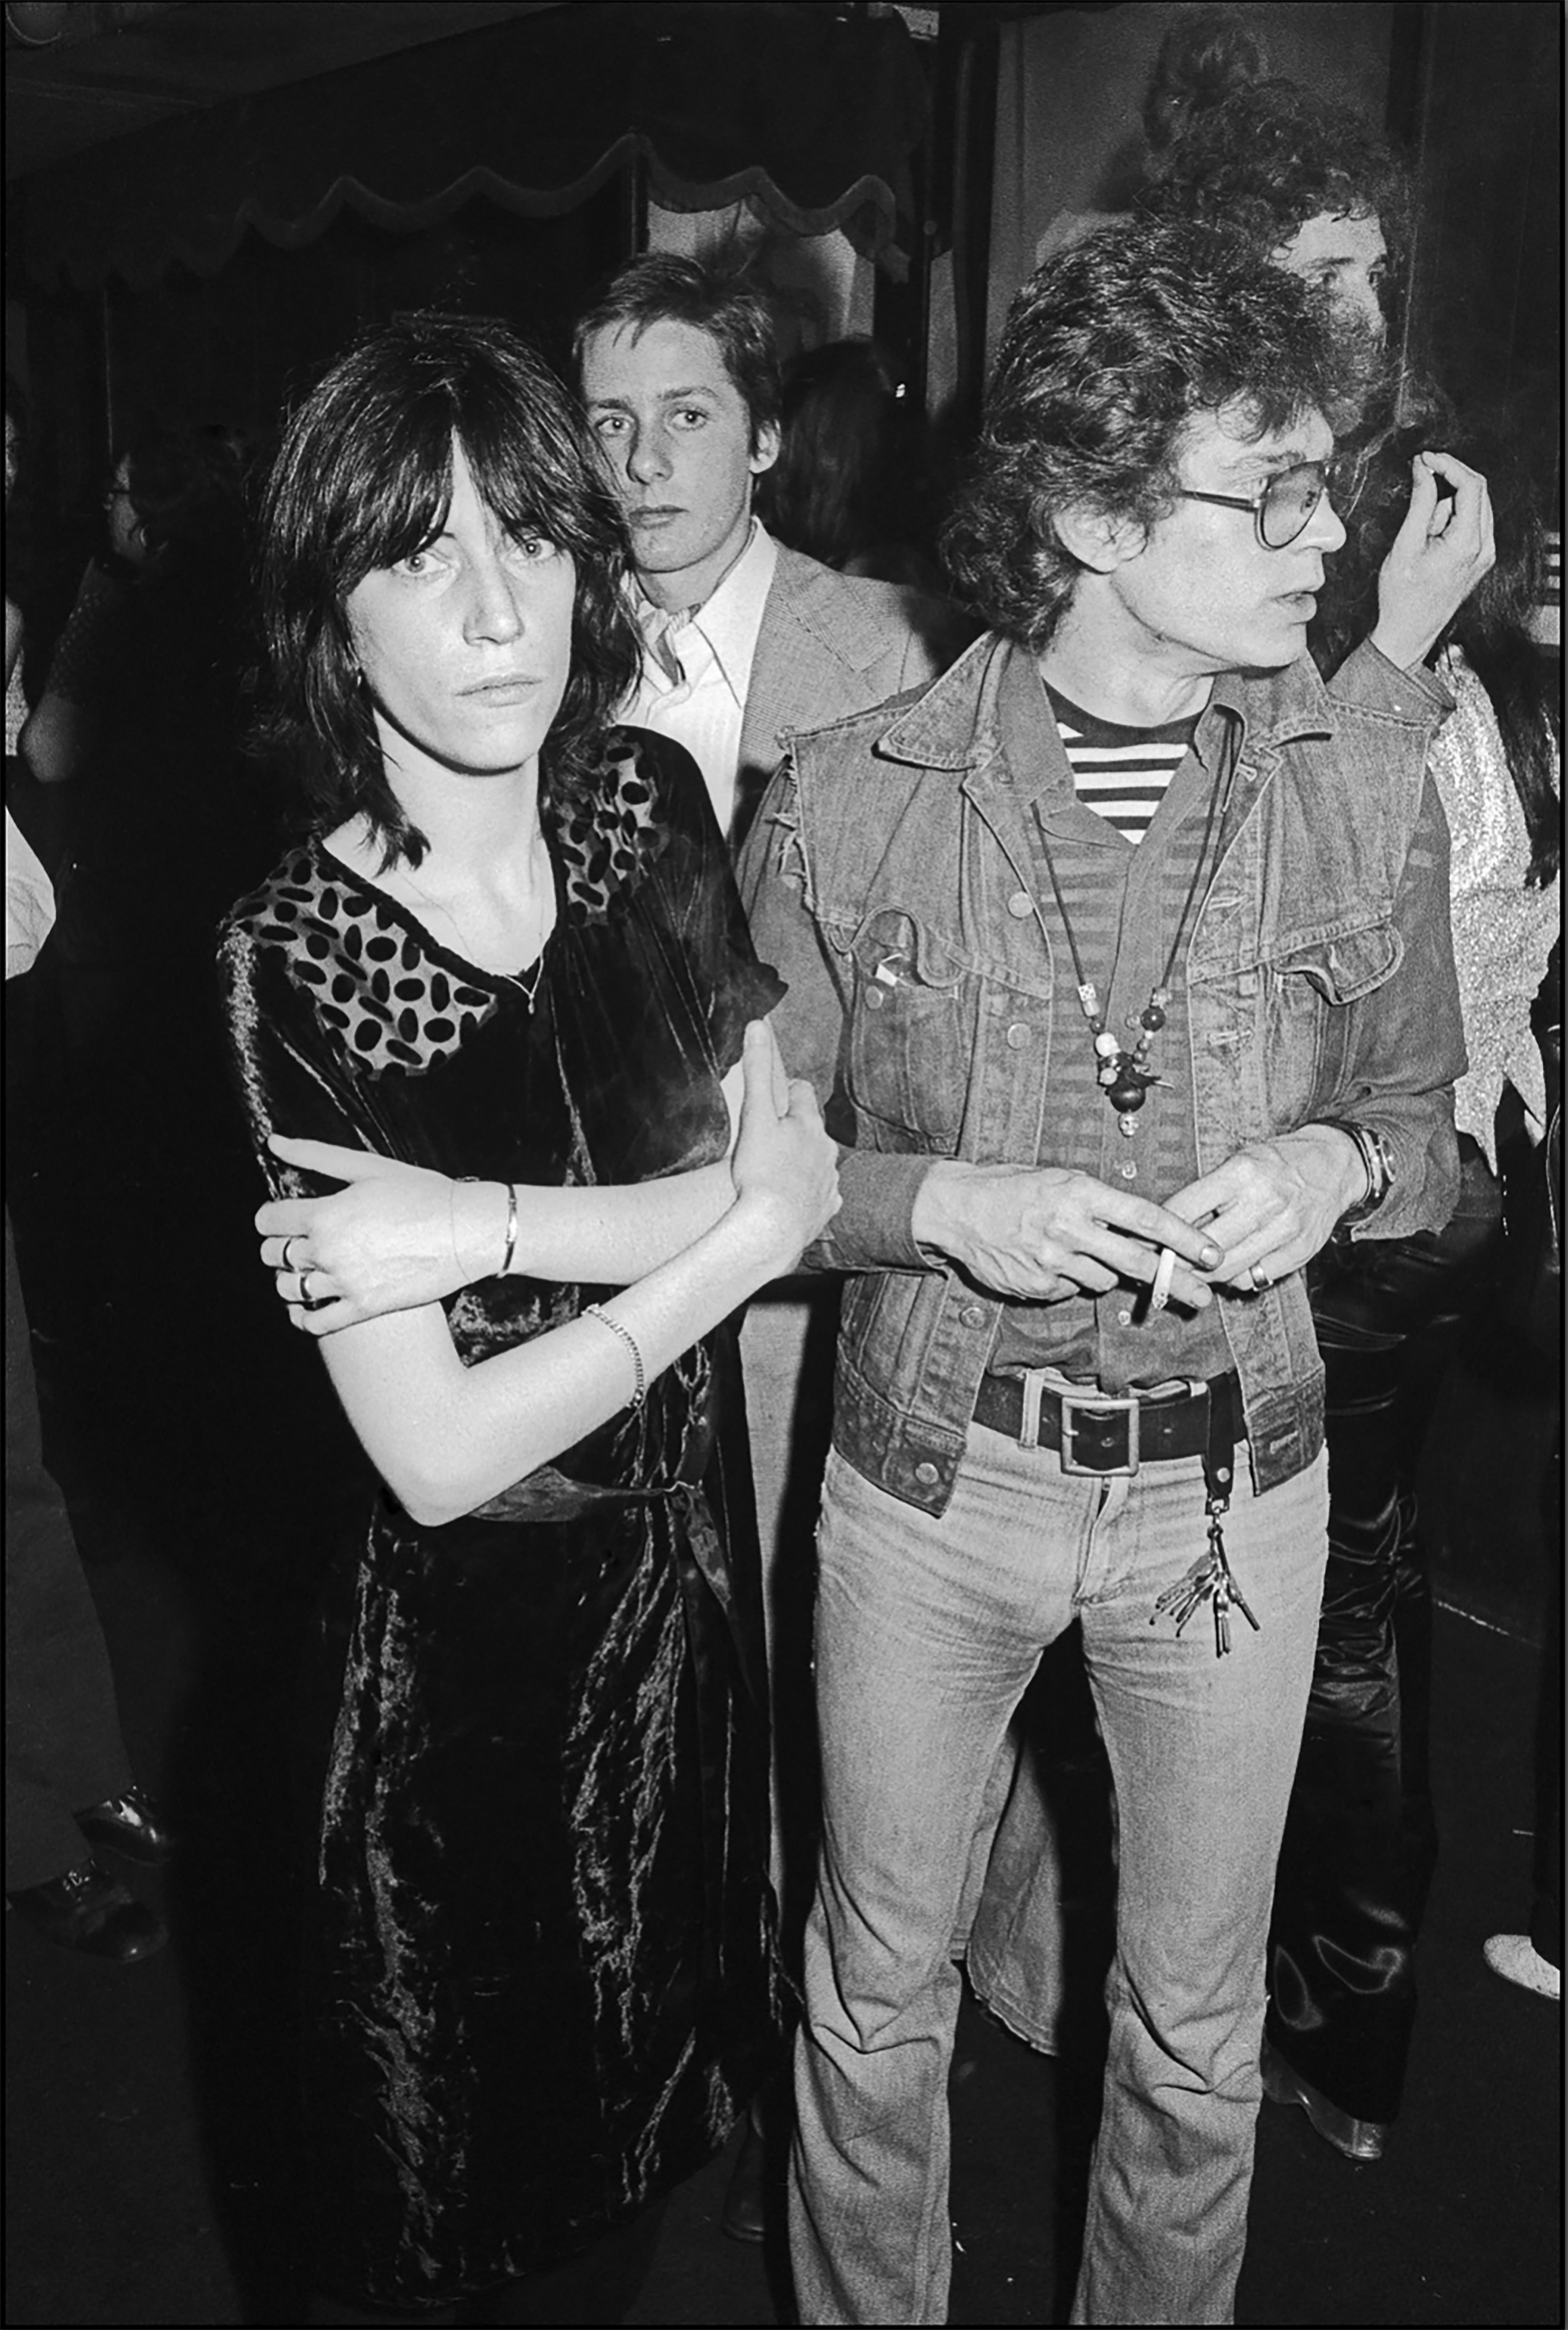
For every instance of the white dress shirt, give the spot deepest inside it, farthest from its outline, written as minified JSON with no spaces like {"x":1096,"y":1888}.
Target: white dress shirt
{"x":697,"y":668}
{"x":29,"y":902}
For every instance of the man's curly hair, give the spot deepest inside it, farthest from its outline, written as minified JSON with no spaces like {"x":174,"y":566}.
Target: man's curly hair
{"x":1267,"y":158}
{"x":1110,"y":350}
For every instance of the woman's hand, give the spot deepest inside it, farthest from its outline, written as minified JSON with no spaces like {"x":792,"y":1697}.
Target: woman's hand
{"x":1443,"y":549}
{"x":394,"y":1238}
{"x":785,"y":1167}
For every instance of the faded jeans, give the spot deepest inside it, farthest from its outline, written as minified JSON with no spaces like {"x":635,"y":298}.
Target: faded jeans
{"x":929,"y":1631}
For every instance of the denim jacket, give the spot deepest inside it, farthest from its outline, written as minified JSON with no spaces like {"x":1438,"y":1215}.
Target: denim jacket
{"x":1320,"y":981}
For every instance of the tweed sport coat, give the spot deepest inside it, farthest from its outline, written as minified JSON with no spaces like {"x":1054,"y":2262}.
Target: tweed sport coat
{"x":830,"y":645}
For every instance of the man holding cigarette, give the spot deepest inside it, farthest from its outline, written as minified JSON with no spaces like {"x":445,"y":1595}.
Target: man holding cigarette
{"x":1121,"y":962}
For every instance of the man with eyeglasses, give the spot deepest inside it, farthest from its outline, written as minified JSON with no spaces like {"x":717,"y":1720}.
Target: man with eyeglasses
{"x":1312,"y":188}
{"x":1121,"y":962}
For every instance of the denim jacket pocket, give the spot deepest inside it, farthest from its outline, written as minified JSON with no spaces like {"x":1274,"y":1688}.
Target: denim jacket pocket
{"x":909,"y":1049}
{"x":1347,"y":966}
{"x":1311,"y":985}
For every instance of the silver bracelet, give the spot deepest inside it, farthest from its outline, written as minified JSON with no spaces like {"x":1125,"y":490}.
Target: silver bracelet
{"x":592,"y":1310}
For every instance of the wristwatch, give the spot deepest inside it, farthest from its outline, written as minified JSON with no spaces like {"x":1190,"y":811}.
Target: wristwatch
{"x":1372,"y":1150}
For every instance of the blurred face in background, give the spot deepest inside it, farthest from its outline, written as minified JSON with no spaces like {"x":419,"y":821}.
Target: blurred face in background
{"x":126,"y":537}
{"x":1346,"y":258}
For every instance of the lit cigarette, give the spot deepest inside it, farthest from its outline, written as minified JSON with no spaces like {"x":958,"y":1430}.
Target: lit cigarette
{"x":1160,"y":1293}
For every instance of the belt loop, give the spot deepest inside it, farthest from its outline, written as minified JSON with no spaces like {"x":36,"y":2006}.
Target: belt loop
{"x":1033,"y":1382}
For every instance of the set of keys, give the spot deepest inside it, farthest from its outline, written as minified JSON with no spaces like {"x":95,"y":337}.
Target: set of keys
{"x":1209,"y":1579}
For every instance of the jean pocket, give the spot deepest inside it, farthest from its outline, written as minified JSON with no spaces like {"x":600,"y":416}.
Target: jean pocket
{"x":1311,"y":987}
{"x":908,"y":1049}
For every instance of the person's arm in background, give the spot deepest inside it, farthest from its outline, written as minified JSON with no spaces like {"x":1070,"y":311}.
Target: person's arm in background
{"x":65,"y":725}
{"x":57,"y":741}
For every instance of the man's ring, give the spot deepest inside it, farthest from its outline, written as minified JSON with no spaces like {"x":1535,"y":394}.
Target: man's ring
{"x":305,"y":1288}
{"x":284,"y":1262}
{"x":1260,"y":1278}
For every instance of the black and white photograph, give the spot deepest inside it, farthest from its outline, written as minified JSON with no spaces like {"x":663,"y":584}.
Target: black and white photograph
{"x":783,"y":1181}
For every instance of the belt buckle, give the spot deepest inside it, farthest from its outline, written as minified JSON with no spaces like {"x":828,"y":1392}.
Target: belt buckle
{"x":1097,"y":1404}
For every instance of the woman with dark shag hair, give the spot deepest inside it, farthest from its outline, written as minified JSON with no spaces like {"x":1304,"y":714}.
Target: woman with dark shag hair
{"x":540,"y":1957}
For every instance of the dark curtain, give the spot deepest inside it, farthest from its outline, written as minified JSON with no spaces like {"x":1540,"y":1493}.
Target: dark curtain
{"x":811,"y":116}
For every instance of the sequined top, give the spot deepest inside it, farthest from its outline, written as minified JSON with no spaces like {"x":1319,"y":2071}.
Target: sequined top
{"x":1503,"y":932}
{"x":15,"y":708}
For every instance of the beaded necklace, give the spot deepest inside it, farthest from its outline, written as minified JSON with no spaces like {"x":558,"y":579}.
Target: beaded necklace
{"x":1125,"y":1076}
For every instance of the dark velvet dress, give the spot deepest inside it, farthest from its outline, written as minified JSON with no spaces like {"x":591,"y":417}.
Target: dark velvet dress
{"x":540,"y":1968}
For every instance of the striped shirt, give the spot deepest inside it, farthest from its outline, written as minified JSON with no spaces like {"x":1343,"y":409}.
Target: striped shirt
{"x":1122,"y":772}
{"x":1125,"y":906}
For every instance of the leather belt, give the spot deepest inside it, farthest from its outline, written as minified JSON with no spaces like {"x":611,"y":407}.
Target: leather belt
{"x":1094,"y":1432}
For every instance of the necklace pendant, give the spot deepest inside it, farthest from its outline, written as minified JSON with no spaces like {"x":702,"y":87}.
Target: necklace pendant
{"x":1127,"y":1126}
{"x":1127,"y":1092}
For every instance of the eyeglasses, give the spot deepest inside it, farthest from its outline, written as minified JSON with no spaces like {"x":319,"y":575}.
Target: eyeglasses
{"x":1282,"y":509}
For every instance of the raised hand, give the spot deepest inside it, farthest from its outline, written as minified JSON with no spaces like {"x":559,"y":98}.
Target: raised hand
{"x":1441,"y":553}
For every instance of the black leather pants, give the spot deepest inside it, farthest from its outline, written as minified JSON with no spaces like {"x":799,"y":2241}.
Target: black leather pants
{"x":1360,"y":1840}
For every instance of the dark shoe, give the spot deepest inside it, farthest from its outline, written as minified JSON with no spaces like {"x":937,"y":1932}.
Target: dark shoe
{"x":89,"y":1910}
{"x":745,"y":2200}
{"x":1358,"y":2139}
{"x":130,"y":1825}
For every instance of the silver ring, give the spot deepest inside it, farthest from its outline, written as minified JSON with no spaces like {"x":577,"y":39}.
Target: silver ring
{"x":304,"y":1288}
{"x":285,"y":1264}
{"x":1261,"y":1279}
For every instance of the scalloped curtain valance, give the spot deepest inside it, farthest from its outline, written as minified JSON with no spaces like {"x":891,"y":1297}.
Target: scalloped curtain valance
{"x":812,"y":118}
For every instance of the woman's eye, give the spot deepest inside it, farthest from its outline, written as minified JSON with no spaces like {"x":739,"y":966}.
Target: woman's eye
{"x":532,"y":546}
{"x":418,"y":562}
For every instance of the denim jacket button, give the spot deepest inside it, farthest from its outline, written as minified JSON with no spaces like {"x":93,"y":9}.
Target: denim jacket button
{"x":972,"y":1315}
{"x":927,"y":1475}
{"x":1018,"y":1035}
{"x":1019,"y":905}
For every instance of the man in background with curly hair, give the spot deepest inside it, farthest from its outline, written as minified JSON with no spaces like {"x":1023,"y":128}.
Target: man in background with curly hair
{"x":1121,"y":962}
{"x":1308,"y":183}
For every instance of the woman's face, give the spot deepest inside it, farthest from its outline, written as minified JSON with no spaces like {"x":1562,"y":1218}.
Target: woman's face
{"x":466,"y":645}
{"x":126,"y":537}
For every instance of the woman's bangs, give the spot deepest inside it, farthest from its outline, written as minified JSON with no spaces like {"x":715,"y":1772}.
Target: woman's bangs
{"x":524,"y":479}
{"x":404,"y":489}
